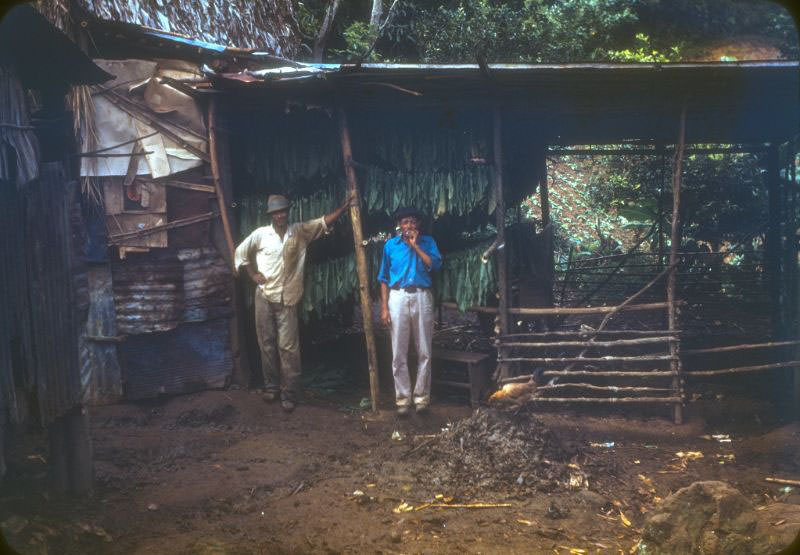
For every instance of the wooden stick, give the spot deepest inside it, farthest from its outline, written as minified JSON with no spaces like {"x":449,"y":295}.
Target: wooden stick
{"x":614,"y":343}
{"x":742,"y":369}
{"x":543,"y":360}
{"x":183,"y":185}
{"x":420,"y":446}
{"x":739,"y":347}
{"x":500,"y":224}
{"x":116,"y":154}
{"x":463,"y":505}
{"x":121,"y":237}
{"x":223,"y":206}
{"x":606,"y":399}
{"x":580,"y":333}
{"x":602,"y":387}
{"x":146,"y":110}
{"x":559,"y":310}
{"x":361,"y":258}
{"x":782,"y":481}
{"x":593,"y":373}
{"x":675,"y":239}
{"x":161,"y":128}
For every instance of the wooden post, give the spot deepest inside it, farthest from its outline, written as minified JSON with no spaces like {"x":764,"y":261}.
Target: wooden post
{"x":792,"y":247}
{"x":215,"y":172}
{"x":547,"y":229}
{"x":361,"y":258}
{"x":500,"y":219}
{"x":672,"y":308}
{"x":773,"y":247}
{"x":223,"y":188}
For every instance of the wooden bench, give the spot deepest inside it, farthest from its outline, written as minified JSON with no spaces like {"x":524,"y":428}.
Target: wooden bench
{"x":478,"y":368}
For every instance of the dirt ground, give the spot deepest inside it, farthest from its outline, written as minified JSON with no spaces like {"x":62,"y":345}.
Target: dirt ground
{"x":225,"y":472}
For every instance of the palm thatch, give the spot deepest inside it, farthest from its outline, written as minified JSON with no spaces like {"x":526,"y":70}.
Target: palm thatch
{"x":267,"y":25}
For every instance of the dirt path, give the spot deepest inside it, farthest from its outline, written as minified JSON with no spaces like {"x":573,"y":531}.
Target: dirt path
{"x":223,"y":472}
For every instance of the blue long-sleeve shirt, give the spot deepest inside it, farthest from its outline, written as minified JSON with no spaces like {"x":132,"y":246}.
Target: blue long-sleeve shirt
{"x":402,"y":267}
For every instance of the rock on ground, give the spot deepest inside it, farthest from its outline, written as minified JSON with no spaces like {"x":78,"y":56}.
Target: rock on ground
{"x":713,"y":517}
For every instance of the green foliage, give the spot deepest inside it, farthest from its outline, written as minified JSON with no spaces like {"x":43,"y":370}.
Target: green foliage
{"x":645,"y":52}
{"x":522,"y":30}
{"x":358,"y":38}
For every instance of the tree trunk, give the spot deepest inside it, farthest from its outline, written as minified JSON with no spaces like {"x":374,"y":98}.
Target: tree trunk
{"x":375,"y":17}
{"x":321,"y":40}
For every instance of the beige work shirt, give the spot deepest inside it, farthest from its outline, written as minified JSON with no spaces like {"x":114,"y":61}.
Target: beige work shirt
{"x":280,"y":261}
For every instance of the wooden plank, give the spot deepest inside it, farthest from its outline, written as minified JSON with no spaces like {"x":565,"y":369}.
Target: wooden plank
{"x":615,"y":343}
{"x":459,"y":356}
{"x":500,"y":223}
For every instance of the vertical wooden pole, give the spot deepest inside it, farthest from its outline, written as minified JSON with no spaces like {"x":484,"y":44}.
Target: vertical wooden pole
{"x":361,"y":258}
{"x":219,"y":152}
{"x":773,"y":247}
{"x":215,"y":172}
{"x":672,"y":314}
{"x":547,"y":229}
{"x":792,"y":270}
{"x":500,"y":219}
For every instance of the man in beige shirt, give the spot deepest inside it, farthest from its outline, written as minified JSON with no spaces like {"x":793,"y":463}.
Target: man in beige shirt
{"x":274,"y":257}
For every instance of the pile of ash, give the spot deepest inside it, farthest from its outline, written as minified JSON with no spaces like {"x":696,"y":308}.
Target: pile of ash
{"x":508,"y":452}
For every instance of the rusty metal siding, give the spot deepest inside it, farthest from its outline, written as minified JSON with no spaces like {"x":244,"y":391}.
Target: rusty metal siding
{"x":101,"y":378}
{"x":148,"y":293}
{"x":207,"y":285}
{"x":192,"y":357}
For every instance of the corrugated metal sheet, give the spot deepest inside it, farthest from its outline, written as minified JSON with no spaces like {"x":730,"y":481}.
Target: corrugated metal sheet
{"x":192,"y":357}
{"x":101,"y":377}
{"x":148,"y":293}
{"x":565,"y":103}
{"x":207,"y":285}
{"x":44,"y":296}
{"x":19,"y":149}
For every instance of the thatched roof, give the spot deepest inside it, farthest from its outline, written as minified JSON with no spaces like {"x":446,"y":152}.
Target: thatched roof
{"x":266,"y":25}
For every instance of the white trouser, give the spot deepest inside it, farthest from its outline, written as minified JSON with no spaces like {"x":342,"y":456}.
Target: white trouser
{"x":412,"y":317}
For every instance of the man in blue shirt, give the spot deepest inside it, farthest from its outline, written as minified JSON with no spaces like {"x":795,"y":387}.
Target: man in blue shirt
{"x":407,"y":305}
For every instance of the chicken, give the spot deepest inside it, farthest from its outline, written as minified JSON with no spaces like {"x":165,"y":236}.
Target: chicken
{"x":513,"y":394}
{"x":516,"y":394}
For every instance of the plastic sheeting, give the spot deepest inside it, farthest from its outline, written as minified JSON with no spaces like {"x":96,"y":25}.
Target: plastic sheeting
{"x":138,"y":81}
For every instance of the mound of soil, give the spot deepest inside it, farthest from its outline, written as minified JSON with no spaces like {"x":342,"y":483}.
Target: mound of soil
{"x":508,"y":452}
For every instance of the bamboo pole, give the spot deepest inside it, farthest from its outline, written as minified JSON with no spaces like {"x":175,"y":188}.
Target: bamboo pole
{"x":743,"y":369}
{"x":361,"y":258}
{"x":223,"y":207}
{"x":545,"y":360}
{"x":741,"y":347}
{"x":500,"y":219}
{"x":614,"y":343}
{"x":560,"y":310}
{"x":672,"y":308}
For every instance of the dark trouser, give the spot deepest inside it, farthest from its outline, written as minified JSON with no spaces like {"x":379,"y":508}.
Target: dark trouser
{"x":276,"y":328}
